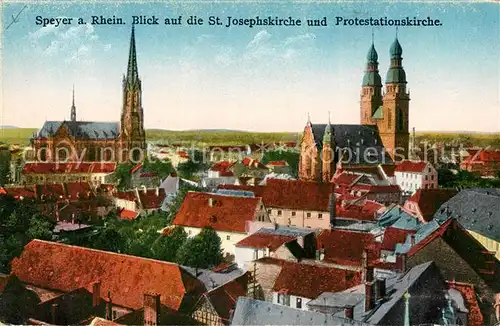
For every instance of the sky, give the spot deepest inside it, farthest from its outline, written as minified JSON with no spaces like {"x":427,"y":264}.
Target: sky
{"x":265,"y":78}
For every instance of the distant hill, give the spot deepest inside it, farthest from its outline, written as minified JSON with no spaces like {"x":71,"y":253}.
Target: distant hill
{"x":9,"y":127}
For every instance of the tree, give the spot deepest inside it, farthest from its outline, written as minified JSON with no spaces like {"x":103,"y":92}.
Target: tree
{"x":166,"y":247}
{"x":162,"y":168}
{"x":17,"y":302}
{"x":5,"y":158}
{"x":291,"y":157}
{"x":122,"y":176}
{"x":109,"y":239}
{"x":20,"y":222}
{"x":195,"y":163}
{"x":201,"y":251}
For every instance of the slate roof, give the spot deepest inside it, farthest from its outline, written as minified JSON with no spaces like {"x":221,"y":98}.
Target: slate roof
{"x":211,"y":279}
{"x":314,"y":279}
{"x":223,"y":298}
{"x":356,"y":138}
{"x":65,"y":268}
{"x":262,"y":240}
{"x":251,"y":312}
{"x":397,"y":217}
{"x":82,"y":129}
{"x":475,"y":210}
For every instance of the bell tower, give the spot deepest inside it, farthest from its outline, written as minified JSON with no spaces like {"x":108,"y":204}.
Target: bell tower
{"x":371,"y":89}
{"x":393,"y":128}
{"x":133,"y":138}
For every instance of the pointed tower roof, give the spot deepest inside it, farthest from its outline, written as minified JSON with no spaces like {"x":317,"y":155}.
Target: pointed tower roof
{"x":73,"y":107}
{"x":371,"y":76}
{"x":327,"y":135}
{"x":396,"y":73}
{"x":132,"y":78}
{"x":396,"y":50}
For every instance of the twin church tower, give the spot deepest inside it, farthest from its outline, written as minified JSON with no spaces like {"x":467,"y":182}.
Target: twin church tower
{"x":382,"y":136}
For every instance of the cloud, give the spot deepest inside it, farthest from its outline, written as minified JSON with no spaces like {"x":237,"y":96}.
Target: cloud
{"x":260,"y":39}
{"x":72,"y":43}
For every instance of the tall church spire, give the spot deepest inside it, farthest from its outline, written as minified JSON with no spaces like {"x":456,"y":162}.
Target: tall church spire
{"x":73,"y":107}
{"x":132,"y":78}
{"x":396,"y":73}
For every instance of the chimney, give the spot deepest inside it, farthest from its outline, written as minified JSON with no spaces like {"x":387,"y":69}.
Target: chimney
{"x":73,"y":218}
{"x":349,"y":312}
{"x":369,"y":299}
{"x":151,"y":309}
{"x":333,"y":212}
{"x":145,"y":190}
{"x":157,"y":191}
{"x":109,"y":308}
{"x":401,"y":263}
{"x":364,"y":264}
{"x":53,"y":313}
{"x":380,"y":289}
{"x":210,"y":202}
{"x":96,"y":294}
{"x":412,"y":239}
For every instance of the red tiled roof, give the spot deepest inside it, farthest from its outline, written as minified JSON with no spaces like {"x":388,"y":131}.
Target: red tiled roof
{"x":388,"y":169}
{"x":148,"y":175}
{"x":291,"y":194}
{"x":250,"y":162}
{"x":70,"y":167}
{"x":345,"y":178}
{"x":151,"y":200}
{"x":51,"y":191}
{"x":429,"y":200}
{"x":76,"y":190}
{"x":17,"y":192}
{"x":65,"y":268}
{"x":474,"y":317}
{"x":393,"y":236}
{"x":309,"y":281}
{"x":482,"y":156}
{"x":223,"y":298}
{"x":265,"y":240}
{"x":136,"y":168}
{"x":226,"y":214}
{"x":365,"y":211}
{"x":126,"y":214}
{"x":221,"y":166}
{"x":228,"y":148}
{"x":344,"y":247}
{"x":376,"y":189}
{"x":410,"y":166}
{"x":126,"y":195}
{"x":277,"y":163}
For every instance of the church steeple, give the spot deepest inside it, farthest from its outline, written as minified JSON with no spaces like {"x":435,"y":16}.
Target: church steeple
{"x":371,"y":88}
{"x":73,"y":107}
{"x":396,"y":73}
{"x":132,"y":79}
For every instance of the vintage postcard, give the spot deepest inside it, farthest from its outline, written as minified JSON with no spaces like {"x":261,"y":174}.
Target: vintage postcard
{"x":250,"y":163}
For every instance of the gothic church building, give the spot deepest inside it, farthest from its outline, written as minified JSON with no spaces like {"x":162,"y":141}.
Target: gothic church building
{"x":381,"y":138}
{"x":89,"y":141}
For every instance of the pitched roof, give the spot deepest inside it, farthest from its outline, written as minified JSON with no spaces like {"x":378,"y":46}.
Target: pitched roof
{"x":151,"y":199}
{"x":477,"y":211}
{"x":126,"y":214}
{"x":25,"y":192}
{"x":81,"y":129}
{"x":482,"y":156}
{"x":392,"y":236}
{"x":429,"y":200}
{"x":250,"y":162}
{"x":223,"y":298}
{"x":77,"y":190}
{"x":291,"y":194}
{"x":251,"y":312}
{"x":411,"y":166}
{"x":364,"y":211}
{"x":474,"y":317}
{"x":344,"y":247}
{"x":226,"y":213}
{"x":221,"y":166}
{"x":357,"y":139}
{"x":277,"y":163}
{"x":398,"y":217}
{"x":70,"y":167}
{"x":265,"y":240}
{"x":65,"y":268}
{"x":309,"y":281}
{"x":136,"y":168}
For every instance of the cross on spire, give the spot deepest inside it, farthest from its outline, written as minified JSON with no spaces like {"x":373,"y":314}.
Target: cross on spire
{"x":396,"y":32}
{"x":373,"y":35}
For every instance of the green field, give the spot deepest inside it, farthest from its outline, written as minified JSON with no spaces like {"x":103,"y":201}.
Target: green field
{"x":21,"y":136}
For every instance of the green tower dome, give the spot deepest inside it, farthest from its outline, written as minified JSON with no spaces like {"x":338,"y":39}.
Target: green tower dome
{"x":372,"y":78}
{"x":396,"y":49}
{"x":372,"y":54}
{"x":395,"y":75}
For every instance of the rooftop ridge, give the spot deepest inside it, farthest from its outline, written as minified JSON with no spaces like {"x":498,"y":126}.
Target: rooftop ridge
{"x":103,"y":251}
